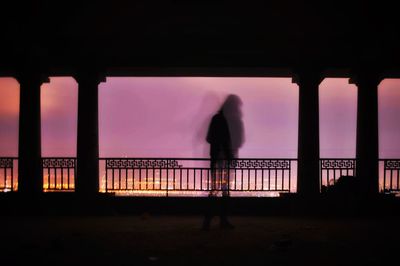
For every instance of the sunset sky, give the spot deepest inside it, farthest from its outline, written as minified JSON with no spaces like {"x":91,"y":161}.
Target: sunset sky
{"x":168,"y":117}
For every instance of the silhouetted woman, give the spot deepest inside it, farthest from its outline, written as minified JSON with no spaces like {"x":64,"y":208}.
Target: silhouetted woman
{"x":225,"y":136}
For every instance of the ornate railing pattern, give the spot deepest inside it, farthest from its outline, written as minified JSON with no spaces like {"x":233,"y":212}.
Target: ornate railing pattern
{"x":8,"y":177}
{"x":391,"y":175}
{"x":59,"y":174}
{"x":141,"y":163}
{"x":195,"y":174}
{"x":333,"y":168}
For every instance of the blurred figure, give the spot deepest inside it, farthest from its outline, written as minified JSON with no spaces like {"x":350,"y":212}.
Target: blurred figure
{"x":225,"y":136}
{"x":232,"y":111}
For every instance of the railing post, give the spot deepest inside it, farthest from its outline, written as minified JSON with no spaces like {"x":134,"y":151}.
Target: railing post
{"x":308,"y":81}
{"x":367,"y":147}
{"x":30,"y":178}
{"x":87,"y":180}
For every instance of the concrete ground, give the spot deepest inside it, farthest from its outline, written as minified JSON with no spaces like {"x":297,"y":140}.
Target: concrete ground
{"x":177,"y":240}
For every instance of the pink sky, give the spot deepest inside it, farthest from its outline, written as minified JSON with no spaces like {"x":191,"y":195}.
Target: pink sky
{"x":154,"y":117}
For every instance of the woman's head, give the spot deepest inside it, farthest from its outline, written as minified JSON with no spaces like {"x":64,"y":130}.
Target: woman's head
{"x":232,"y":105}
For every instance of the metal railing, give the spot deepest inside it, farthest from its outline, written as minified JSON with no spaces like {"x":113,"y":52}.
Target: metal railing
{"x":391,"y":175}
{"x":195,"y":175}
{"x":331,"y":169}
{"x":58,"y":174}
{"x":8,"y":175}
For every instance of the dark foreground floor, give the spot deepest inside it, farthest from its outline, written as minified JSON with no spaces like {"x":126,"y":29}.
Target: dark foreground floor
{"x":177,"y":240}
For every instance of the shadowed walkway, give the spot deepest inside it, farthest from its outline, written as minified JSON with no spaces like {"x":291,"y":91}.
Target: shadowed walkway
{"x":177,"y":240}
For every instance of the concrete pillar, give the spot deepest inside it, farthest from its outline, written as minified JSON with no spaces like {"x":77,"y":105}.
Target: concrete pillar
{"x":87,"y":180}
{"x":367,"y":147}
{"x":308,"y":138}
{"x":30,"y":177}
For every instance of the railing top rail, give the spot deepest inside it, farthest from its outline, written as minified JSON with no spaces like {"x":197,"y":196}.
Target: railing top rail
{"x":338,"y":159}
{"x":173,"y":158}
{"x":188,"y":159}
{"x":43,"y":158}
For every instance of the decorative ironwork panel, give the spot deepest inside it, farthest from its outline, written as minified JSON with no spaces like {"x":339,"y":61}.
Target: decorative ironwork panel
{"x":332,"y":169}
{"x":195,"y":175}
{"x":58,"y":163}
{"x":6,"y":162}
{"x":261,"y":164}
{"x":391,"y":175}
{"x":141,"y":163}
{"x":338,"y":163}
{"x":392,"y":164}
{"x":59,"y":174}
{"x":8,"y":179}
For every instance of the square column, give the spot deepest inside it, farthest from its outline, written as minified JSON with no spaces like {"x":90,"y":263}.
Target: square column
{"x":367,"y":146}
{"x":308,"y":139}
{"x":87,"y":180}
{"x":30,"y":177}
